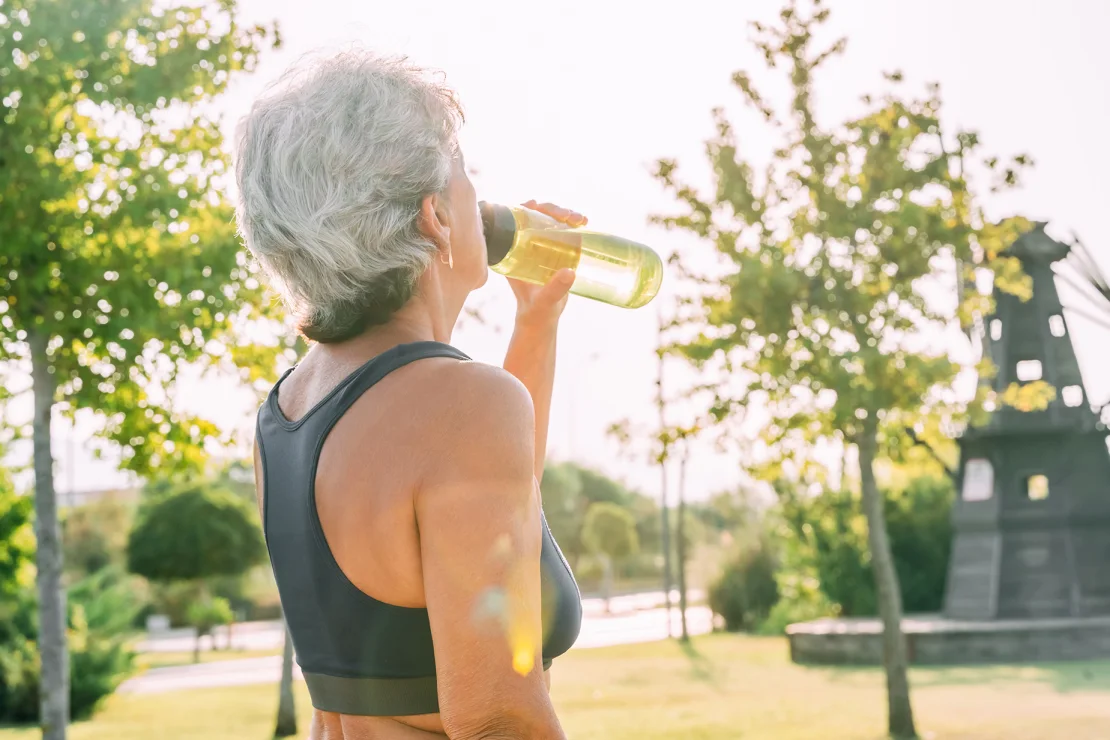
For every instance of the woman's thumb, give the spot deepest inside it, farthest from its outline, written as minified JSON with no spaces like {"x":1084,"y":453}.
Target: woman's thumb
{"x":559,"y":285}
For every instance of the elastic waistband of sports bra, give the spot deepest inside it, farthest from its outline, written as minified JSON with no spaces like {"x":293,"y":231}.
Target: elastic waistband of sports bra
{"x":375,"y":697}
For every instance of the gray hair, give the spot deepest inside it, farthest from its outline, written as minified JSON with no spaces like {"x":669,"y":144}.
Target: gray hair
{"x":332,"y":164}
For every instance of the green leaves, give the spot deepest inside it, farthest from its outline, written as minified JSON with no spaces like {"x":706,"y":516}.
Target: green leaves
{"x":826,"y":536}
{"x":208,"y":613}
{"x":610,"y":530}
{"x":199,"y":531}
{"x":17,"y":543}
{"x":117,"y":244}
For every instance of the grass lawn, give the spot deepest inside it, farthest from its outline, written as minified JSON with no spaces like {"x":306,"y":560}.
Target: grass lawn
{"x":723,"y":687}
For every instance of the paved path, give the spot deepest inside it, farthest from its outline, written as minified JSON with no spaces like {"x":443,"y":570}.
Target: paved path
{"x":628,"y":624}
{"x":268,"y":635}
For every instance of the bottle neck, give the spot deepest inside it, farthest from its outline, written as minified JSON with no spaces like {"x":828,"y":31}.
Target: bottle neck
{"x":499,"y":227}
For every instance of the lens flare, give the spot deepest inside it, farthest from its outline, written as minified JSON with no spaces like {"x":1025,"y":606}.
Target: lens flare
{"x":509,"y":608}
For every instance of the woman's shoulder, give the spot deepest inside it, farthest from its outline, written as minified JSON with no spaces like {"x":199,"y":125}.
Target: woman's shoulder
{"x":470,"y":421}
{"x":473,"y":395}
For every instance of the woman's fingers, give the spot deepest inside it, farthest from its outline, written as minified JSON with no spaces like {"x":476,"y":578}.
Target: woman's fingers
{"x":556,"y":289}
{"x":560,"y":214}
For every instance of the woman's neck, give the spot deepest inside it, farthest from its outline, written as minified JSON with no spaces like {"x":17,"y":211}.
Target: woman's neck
{"x":415,"y":322}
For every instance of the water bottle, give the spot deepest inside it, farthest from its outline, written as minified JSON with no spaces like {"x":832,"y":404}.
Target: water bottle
{"x":531,"y":246}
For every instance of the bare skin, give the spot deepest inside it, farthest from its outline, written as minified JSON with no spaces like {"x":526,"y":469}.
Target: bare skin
{"x":427,"y":488}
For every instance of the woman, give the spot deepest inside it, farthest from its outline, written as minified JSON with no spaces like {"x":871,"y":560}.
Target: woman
{"x":397,"y":479}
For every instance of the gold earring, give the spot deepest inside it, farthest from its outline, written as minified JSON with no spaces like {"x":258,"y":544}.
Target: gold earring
{"x":450,"y":261}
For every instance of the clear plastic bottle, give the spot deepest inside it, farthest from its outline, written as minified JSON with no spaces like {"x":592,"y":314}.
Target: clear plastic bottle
{"x":531,"y":246}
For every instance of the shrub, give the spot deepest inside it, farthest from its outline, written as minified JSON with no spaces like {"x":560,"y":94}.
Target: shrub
{"x":205,"y":615}
{"x":919,"y":523}
{"x":101,"y":609}
{"x":825,"y":536}
{"x":99,"y":629}
{"x":746,"y":591}
{"x":800,"y":600}
{"x":19,"y":680}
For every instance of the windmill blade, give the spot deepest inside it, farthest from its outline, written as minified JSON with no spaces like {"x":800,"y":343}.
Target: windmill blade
{"x":1103,"y":321}
{"x":1088,"y":267}
{"x":1084,"y":265}
{"x":1084,"y":288}
{"x":1079,"y":249}
{"x":1082,"y":256}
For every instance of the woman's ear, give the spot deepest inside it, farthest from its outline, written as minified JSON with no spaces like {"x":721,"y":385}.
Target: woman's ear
{"x":434,"y":223}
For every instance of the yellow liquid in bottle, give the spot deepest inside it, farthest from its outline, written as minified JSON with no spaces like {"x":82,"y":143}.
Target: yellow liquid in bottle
{"x":607,"y":268}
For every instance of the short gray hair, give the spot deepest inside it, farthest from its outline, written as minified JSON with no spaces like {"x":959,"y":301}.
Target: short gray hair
{"x":332,"y":164}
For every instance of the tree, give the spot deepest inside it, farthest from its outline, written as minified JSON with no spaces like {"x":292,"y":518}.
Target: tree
{"x":663,"y":440}
{"x":95,"y":535}
{"x":198,"y":532}
{"x":120,"y":262}
{"x":727,"y":511}
{"x":568,"y":490}
{"x":680,"y":541}
{"x":823,"y":314}
{"x":287,"y":708}
{"x":609,"y":532}
{"x":205,"y":615}
{"x":564,"y":507}
{"x":599,"y":487}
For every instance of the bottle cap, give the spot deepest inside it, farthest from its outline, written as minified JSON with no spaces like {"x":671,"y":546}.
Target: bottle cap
{"x":500,"y":230}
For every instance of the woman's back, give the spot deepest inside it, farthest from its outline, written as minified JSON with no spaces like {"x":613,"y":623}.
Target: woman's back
{"x":342,"y":464}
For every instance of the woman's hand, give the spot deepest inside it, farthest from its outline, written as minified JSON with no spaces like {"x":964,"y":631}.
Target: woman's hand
{"x":541,"y":305}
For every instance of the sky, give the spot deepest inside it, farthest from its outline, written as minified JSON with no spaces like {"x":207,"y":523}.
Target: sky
{"x":573,"y":102}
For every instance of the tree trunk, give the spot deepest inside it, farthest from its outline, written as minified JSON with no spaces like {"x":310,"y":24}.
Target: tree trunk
{"x":895,"y":659}
{"x":665,"y":527}
{"x":287,"y":710}
{"x":196,"y":646}
{"x":665,"y":536}
{"x":681,"y":544}
{"x":54,"y":681}
{"x":607,"y":581}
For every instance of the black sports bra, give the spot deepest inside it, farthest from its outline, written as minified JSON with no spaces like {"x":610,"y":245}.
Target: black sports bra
{"x":358,"y":655}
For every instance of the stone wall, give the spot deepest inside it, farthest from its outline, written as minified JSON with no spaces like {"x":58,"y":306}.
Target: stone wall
{"x":942,"y":642}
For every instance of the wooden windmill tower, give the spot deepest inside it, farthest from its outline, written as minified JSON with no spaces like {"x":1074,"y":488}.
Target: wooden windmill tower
{"x":1032,"y":518}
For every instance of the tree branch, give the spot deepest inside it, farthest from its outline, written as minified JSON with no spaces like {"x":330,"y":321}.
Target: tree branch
{"x":933,"y":454}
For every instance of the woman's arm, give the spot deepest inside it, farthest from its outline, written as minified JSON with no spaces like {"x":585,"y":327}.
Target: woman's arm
{"x":478,"y":515}
{"x":531,"y":354}
{"x":531,"y":360}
